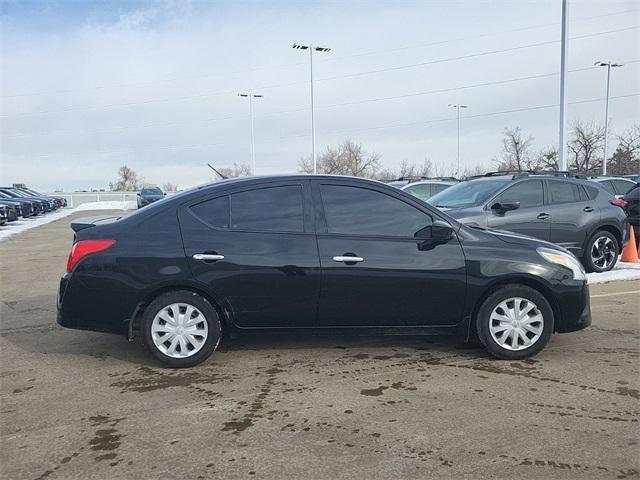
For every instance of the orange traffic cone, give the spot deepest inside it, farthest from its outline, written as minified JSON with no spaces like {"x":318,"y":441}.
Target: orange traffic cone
{"x":630,"y":252}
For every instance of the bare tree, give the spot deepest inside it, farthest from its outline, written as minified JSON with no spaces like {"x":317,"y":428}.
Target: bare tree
{"x":127,"y":181}
{"x":547,"y":159}
{"x":406,"y":170}
{"x":516,"y":150}
{"x":626,"y":159}
{"x":585,"y":148}
{"x":348,"y":158}
{"x":170,"y":187}
{"x":241,"y":170}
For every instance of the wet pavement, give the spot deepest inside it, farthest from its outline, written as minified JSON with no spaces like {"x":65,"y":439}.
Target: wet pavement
{"x":85,"y":405}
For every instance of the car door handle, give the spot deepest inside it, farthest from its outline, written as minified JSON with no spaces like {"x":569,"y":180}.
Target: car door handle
{"x":347,"y":259}
{"x":208,"y":257}
{"x":588,"y":209}
{"x":543,"y":216}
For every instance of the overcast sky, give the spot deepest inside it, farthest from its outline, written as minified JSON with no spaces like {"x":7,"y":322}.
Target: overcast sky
{"x":89,"y":86}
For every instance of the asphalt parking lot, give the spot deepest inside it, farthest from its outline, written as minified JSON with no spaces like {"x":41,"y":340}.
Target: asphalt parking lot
{"x":86,"y":405}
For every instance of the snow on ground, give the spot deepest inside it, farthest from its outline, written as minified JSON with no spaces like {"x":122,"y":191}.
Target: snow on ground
{"x":622,"y":271}
{"x":13,"y":228}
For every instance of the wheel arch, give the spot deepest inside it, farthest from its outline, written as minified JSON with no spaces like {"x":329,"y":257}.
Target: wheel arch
{"x":545,"y":290}
{"x":222,"y":307}
{"x":607,"y":227}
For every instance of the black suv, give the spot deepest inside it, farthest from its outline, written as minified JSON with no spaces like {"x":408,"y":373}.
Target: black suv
{"x":558,"y":207}
{"x":313,"y":253}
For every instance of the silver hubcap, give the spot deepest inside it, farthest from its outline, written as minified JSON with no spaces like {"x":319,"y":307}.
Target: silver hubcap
{"x":516,"y":323}
{"x":603,"y":252}
{"x":179,"y":330}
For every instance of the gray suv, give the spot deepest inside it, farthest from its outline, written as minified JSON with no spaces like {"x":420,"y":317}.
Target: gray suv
{"x":565,"y":209}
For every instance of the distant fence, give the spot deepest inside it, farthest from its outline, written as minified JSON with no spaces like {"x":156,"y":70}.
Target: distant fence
{"x":78,"y":198}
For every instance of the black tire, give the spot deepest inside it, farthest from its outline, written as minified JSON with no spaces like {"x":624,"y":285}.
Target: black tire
{"x":588,"y":260}
{"x":483,"y":320}
{"x":214,"y":327}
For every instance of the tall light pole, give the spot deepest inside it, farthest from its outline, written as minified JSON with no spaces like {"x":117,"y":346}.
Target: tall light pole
{"x":609,"y":66}
{"x":564,"y":59}
{"x":458,"y":106}
{"x":311,"y":49}
{"x":251,"y":96}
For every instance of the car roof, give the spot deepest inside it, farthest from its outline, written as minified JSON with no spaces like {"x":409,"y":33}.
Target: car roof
{"x":427,"y":182}
{"x":600,"y":179}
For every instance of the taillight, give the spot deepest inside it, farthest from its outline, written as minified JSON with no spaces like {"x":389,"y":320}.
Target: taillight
{"x":86,"y":247}
{"x":619,"y":202}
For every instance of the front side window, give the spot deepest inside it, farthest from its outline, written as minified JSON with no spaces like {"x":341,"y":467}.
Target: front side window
{"x":360,"y":211}
{"x":563,"y":192}
{"x":528,"y":193}
{"x":272,"y":209}
{"x":467,"y":194}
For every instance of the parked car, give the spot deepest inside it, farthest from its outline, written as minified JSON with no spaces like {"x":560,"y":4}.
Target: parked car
{"x":13,"y":211}
{"x":3,"y":215}
{"x":425,"y":189}
{"x":572,"y":212}
{"x":634,"y":177}
{"x":313,"y":253}
{"x":60,"y":201}
{"x":45,"y":204}
{"x":149,"y":195}
{"x":632,"y":207}
{"x":25,"y":207}
{"x":615,"y":185}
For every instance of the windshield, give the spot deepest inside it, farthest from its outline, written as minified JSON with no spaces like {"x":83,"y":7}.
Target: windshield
{"x":466,"y":194}
{"x":151,"y":191}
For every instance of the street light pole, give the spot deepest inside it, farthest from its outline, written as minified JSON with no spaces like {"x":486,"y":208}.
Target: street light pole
{"x":251,"y":96}
{"x":609,"y":65}
{"x":564,"y":54}
{"x":458,"y":106}
{"x":311,"y":49}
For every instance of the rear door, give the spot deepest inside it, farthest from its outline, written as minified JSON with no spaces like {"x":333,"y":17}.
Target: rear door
{"x":573,"y":214}
{"x":256,"y":248}
{"x":395,"y":278}
{"x":531,"y":218}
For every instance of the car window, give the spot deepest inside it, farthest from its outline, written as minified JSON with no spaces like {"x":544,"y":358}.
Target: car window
{"x":563,"y":192}
{"x":467,"y":194}
{"x":621,"y":186}
{"x":273,"y":209}
{"x":214,"y":212}
{"x":528,"y":193}
{"x":422,"y":191}
{"x":151,"y":191}
{"x":608,"y":186}
{"x":360,"y":211}
{"x":436,"y":188}
{"x":592,"y":192}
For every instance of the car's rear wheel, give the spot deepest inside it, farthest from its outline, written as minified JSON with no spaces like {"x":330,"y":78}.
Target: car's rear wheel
{"x":514,"y":322}
{"x":181,"y":328}
{"x":602,"y":251}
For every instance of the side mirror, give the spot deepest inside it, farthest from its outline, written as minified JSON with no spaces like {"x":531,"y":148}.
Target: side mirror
{"x":165,"y":194}
{"x":502,"y":208}
{"x":138,"y":193}
{"x":437,"y":233}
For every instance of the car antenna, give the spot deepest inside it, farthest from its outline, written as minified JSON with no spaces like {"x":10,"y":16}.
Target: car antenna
{"x":221,"y":175}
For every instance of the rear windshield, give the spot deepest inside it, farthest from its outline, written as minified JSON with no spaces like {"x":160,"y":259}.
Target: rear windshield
{"x":467,"y":194}
{"x":151,"y":191}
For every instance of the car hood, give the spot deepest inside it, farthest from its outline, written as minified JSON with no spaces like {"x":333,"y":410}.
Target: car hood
{"x":518,"y":239}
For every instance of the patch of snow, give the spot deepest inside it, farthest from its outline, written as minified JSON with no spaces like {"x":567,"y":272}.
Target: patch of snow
{"x":621,"y":271}
{"x":13,"y":228}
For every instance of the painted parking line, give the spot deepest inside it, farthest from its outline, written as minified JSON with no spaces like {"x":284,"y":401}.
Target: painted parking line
{"x":614,"y":294}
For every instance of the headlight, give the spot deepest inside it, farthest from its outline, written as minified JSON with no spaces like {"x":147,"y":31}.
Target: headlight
{"x":565,"y":259}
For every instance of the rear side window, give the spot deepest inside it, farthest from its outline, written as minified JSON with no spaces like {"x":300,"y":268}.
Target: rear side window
{"x":214,"y":212}
{"x":563,"y":192}
{"x":360,"y":211}
{"x":271,"y":209}
{"x":528,"y":193}
{"x":422,"y":191}
{"x":592,"y":192}
{"x":621,"y":187}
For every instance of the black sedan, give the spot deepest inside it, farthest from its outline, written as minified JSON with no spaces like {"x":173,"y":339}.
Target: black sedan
{"x":27,"y":208}
{"x":149,"y":195}
{"x":309,"y":254}
{"x":45,"y":204}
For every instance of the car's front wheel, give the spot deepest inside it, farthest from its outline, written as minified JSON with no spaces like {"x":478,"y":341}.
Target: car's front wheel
{"x":181,"y":328}
{"x":601,"y":253}
{"x":514,"y":322}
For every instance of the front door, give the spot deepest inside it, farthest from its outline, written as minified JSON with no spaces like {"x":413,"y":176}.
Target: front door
{"x":256,"y":249}
{"x":375,"y":272}
{"x":531,"y":218}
